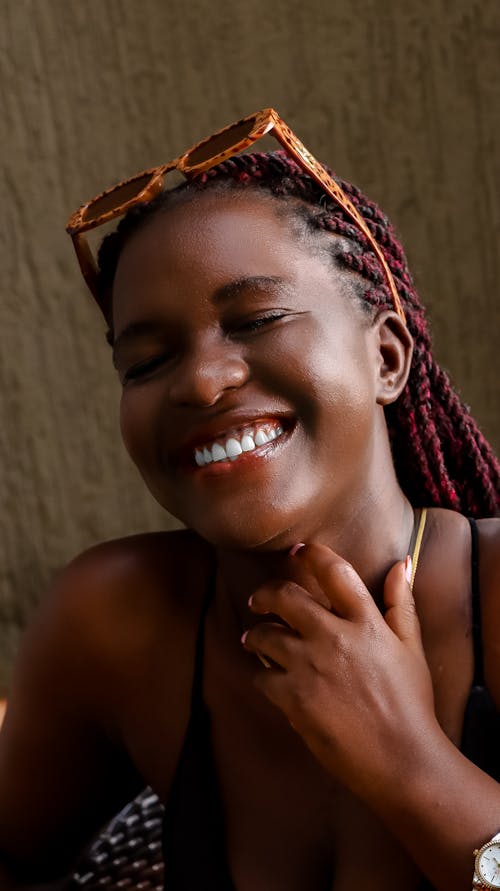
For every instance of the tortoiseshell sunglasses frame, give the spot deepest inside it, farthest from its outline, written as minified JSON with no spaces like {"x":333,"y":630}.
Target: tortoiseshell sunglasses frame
{"x":195,"y":161}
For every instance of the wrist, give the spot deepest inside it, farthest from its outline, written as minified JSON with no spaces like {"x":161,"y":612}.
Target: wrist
{"x":446,"y":808}
{"x":427,"y":773}
{"x":402,"y":776}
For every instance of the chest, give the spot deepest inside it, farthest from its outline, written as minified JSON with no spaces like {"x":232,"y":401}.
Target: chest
{"x":288,"y":825}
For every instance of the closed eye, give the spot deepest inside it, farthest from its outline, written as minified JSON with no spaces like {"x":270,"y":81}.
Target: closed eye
{"x":256,"y":324}
{"x":143,"y":369}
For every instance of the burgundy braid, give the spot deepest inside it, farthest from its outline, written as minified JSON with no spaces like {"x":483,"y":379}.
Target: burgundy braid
{"x":441,"y":457}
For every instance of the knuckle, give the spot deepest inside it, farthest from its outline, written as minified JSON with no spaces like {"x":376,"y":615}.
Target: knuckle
{"x":269,"y":597}
{"x":409,"y":611}
{"x":371,"y":625}
{"x":343,"y":573}
{"x":287,"y":590}
{"x":341,"y":566}
{"x":296,"y":699}
{"x":311,"y":663}
{"x":255,"y":636}
{"x":342,"y":654}
{"x":411,"y":608}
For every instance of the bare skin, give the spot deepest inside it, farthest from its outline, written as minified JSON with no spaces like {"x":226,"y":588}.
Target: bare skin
{"x":101,"y":699}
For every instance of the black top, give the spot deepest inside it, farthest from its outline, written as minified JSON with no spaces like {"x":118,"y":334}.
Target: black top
{"x":481,"y":730}
{"x":193,"y":831}
{"x":194,"y":811}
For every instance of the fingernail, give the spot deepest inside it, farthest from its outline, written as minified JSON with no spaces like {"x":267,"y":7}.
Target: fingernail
{"x":408,"y":569}
{"x":244,"y":637}
{"x":296,"y":547}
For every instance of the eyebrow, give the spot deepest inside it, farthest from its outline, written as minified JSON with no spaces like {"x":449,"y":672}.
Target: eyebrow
{"x":233,"y":289}
{"x":223,"y":294}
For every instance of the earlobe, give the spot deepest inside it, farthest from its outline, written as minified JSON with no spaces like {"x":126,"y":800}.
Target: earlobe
{"x":395,"y":348}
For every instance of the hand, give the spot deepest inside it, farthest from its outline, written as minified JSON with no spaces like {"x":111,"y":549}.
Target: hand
{"x":353,"y":683}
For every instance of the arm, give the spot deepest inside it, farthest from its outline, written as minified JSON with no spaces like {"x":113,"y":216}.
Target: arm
{"x":62,"y":772}
{"x":7,"y":882}
{"x":357,"y":688}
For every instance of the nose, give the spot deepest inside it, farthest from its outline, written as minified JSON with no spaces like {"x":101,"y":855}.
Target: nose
{"x":206,"y":372}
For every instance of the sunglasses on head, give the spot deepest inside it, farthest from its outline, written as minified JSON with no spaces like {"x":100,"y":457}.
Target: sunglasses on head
{"x":223,"y":144}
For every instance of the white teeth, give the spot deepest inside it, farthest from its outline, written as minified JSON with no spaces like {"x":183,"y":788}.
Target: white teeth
{"x":233,"y":448}
{"x":247,"y":443}
{"x":261,"y":438}
{"x":218,"y":452}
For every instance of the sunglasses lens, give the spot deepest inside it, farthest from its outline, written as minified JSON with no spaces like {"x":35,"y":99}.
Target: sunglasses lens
{"x":116,"y":198}
{"x":219,"y":143}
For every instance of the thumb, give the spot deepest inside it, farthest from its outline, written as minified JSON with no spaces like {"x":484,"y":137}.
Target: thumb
{"x":401,"y":614}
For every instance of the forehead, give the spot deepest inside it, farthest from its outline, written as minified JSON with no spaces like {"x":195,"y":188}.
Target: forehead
{"x":197,"y":246}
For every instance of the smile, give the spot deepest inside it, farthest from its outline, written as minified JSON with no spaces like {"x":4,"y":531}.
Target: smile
{"x":244,"y":440}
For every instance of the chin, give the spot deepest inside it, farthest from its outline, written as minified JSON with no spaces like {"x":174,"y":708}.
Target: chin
{"x":255,"y":523}
{"x":259,"y":538}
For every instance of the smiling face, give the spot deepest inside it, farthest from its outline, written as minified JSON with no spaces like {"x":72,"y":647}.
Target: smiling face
{"x":251,"y":375}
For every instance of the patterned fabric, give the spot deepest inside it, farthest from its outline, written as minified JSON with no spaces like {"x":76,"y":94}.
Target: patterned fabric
{"x":128,"y":853}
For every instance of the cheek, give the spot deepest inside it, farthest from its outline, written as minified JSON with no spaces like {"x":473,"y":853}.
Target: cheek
{"x":328,"y":377}
{"x":135,"y":425}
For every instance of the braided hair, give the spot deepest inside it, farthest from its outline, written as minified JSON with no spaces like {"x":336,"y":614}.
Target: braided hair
{"x":440,"y":456}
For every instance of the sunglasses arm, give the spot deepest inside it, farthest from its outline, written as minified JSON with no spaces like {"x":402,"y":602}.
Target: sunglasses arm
{"x":299,"y":151}
{"x":86,"y":261}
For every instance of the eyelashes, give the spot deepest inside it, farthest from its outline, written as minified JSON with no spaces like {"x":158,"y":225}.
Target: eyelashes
{"x":260,"y":322}
{"x":238,"y":328}
{"x":142,"y":369}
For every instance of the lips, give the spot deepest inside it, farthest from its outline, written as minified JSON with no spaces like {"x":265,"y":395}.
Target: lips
{"x":246,"y":439}
{"x":238,"y":435}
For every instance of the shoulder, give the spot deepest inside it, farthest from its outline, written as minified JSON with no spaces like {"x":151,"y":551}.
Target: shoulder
{"x":442,"y":597}
{"x":442,"y":583}
{"x":445,"y":587}
{"x":126,"y":575}
{"x":444,"y":578}
{"x":103,"y":674}
{"x":119,"y":559}
{"x":111,"y":607}
{"x":102,"y":656}
{"x":489,"y":585}
{"x":489,"y":548}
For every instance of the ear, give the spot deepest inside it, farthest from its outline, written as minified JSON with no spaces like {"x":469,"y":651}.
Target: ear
{"x":394,"y":345}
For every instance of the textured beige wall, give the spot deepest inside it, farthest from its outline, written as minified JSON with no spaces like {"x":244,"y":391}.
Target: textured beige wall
{"x":401,"y":97}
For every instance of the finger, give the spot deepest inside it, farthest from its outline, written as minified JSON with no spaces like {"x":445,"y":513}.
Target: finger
{"x":272,"y":640}
{"x":280,"y":689}
{"x":291,"y":603}
{"x":299,"y":572}
{"x":347,"y":595}
{"x":401,"y":614}
{"x":275,"y":685}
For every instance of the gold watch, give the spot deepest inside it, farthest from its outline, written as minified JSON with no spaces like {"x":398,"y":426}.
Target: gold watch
{"x":487,"y":866}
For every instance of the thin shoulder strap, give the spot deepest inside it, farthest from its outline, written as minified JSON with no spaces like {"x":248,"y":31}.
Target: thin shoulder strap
{"x":418,"y":544}
{"x":478,"y":680}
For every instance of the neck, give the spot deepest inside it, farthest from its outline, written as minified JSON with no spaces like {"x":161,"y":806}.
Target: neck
{"x":371,"y":534}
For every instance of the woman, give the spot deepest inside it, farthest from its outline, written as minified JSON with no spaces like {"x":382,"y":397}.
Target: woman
{"x":292,"y":673}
